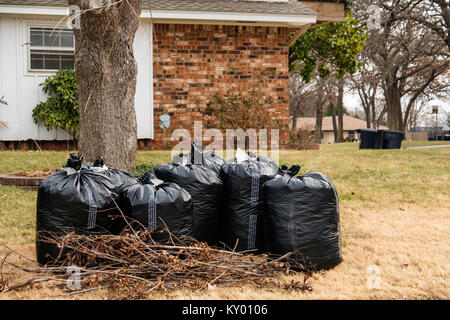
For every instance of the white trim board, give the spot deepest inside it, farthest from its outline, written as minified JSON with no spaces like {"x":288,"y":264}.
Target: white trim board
{"x":194,"y":17}
{"x":235,"y":18}
{"x":34,"y":10}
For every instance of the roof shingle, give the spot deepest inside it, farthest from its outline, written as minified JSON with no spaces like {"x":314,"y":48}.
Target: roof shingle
{"x":350,"y":124}
{"x":291,"y":7}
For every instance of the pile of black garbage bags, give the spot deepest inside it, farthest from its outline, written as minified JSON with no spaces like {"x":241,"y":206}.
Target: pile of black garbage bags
{"x":247,"y":203}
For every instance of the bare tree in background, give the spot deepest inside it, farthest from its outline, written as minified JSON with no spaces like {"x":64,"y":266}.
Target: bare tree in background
{"x":366,"y":83}
{"x":444,"y":6}
{"x":106,"y":77}
{"x":334,"y":97}
{"x":418,"y":114}
{"x":437,"y":90}
{"x":301,"y":97}
{"x":340,"y":106}
{"x":311,"y":99}
{"x":436,"y":17}
{"x":326,"y":93}
{"x":320,"y":103}
{"x":409,"y":56}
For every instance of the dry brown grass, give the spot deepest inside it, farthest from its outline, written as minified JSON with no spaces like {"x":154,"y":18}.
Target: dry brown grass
{"x":395,"y":214}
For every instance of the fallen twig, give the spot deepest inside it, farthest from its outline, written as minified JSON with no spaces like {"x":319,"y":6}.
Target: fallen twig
{"x":132,"y":264}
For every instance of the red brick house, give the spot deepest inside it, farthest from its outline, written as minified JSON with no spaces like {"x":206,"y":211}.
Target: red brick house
{"x":186,"y":51}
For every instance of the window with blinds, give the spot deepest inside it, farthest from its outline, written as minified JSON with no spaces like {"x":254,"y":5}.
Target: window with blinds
{"x":51,"y":49}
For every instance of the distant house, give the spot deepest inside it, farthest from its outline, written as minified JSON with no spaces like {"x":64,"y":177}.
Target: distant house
{"x":351,"y":124}
{"x":186,"y":50}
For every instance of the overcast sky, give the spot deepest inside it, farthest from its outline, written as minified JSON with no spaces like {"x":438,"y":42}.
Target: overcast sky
{"x":352,"y":102}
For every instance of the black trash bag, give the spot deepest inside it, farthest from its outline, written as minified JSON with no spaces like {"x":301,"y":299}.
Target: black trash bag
{"x":121,"y":179}
{"x":156,"y":205}
{"x":210,"y":160}
{"x":242,"y":220}
{"x":290,"y":171}
{"x":75,"y":199}
{"x":148,"y":178}
{"x":206,"y":189}
{"x":302,"y":215}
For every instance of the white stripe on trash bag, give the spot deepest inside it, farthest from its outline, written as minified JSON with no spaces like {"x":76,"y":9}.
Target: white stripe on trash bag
{"x":152,"y":212}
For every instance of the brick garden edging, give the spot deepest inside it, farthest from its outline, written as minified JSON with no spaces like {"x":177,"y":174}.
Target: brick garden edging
{"x":25,"y":182}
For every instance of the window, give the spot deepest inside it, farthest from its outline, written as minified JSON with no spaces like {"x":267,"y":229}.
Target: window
{"x":51,"y":49}
{"x":351,"y":134}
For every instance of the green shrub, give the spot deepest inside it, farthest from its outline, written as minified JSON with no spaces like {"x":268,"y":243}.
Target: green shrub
{"x":61,"y":108}
{"x":143,"y":168}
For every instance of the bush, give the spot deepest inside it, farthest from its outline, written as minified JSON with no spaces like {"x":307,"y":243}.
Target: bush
{"x":302,"y":139}
{"x":242,"y":109}
{"x":143,"y":168}
{"x":61,"y":108}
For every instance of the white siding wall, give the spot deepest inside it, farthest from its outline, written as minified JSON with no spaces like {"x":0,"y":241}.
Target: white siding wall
{"x":22,"y":91}
{"x":143,"y":53}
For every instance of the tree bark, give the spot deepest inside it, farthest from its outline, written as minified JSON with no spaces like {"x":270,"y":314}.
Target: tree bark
{"x":380,"y":117}
{"x":445,"y":7}
{"x":394,"y":108}
{"x":333,"y":117}
{"x":374,"y":114}
{"x":368,"y":118}
{"x":318,"y":127}
{"x":106,"y":78}
{"x":319,"y":111}
{"x":341,"y":110}
{"x":294,"y":119}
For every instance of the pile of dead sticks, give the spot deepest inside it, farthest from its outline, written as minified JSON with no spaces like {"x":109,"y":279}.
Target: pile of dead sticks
{"x":132,"y":265}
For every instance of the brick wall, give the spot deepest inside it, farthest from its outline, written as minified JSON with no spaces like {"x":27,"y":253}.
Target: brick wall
{"x":192,"y":62}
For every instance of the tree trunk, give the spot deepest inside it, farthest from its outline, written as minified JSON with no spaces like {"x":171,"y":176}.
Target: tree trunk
{"x":333,"y":117}
{"x":319,"y":111}
{"x":295,"y":116}
{"x":394,"y":108}
{"x":446,"y":15}
{"x":318,"y":128}
{"x":368,"y":118}
{"x":341,"y":110}
{"x":106,"y":78}
{"x":381,"y":117}
{"x":374,"y":114}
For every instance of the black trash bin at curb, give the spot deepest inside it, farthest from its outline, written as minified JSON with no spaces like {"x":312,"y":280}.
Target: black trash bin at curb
{"x":380,"y":139}
{"x":392,"y":139}
{"x":370,"y":139}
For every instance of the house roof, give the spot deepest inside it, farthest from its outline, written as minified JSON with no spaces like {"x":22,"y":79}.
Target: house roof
{"x":350,"y":124}
{"x":280,"y":7}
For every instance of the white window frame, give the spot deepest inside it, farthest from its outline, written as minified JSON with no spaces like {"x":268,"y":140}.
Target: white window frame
{"x":43,"y":24}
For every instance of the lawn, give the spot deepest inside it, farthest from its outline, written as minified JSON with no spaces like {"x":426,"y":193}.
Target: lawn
{"x":395,"y":215}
